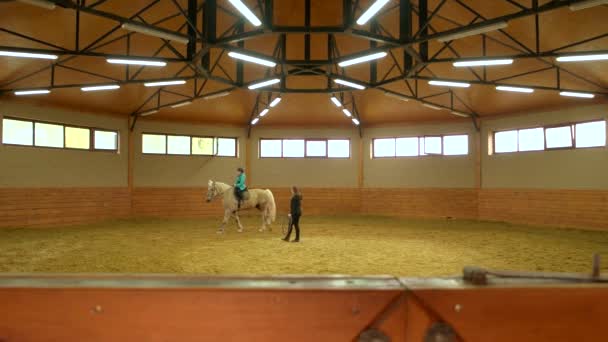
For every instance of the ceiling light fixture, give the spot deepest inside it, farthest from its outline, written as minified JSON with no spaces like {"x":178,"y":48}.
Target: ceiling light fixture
{"x":515,"y":89}
{"x":473,"y":31}
{"x":246,"y":12}
{"x":32,"y":92}
{"x":264,"y":83}
{"x":355,"y":121}
{"x":396,"y":96}
{"x":275,"y":102}
{"x":587,"y":4}
{"x":449,"y":84}
{"x":336,"y":101}
{"x":216,"y":95}
{"x":181,"y":104}
{"x":349,"y":84}
{"x":362,"y":59}
{"x":26,"y":55}
{"x":164,"y":83}
{"x":264,"y":112}
{"x":457,"y":113}
{"x":255,"y":121}
{"x":428,"y":105}
{"x":252,"y":59}
{"x":371,"y":11}
{"x":582,"y":58}
{"x":137,"y":62}
{"x":156,"y":33}
{"x":577,"y":94}
{"x":101,"y":87}
{"x":346,"y":112}
{"x":39,"y":3}
{"x":150,"y":112}
{"x":482,"y":62}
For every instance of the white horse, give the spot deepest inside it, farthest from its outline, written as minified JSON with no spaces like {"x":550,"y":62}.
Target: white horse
{"x":262,"y":200}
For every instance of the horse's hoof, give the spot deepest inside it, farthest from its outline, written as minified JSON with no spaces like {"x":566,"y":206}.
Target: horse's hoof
{"x":220,"y":232}
{"x":240,"y":230}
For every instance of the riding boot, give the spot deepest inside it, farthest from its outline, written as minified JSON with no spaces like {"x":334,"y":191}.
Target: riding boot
{"x":286,"y":238}
{"x":297,"y":239}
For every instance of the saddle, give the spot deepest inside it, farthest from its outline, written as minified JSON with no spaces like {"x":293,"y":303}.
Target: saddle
{"x":245,"y":194}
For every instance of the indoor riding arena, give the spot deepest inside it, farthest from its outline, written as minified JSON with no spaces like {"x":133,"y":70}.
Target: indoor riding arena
{"x":303,"y":170}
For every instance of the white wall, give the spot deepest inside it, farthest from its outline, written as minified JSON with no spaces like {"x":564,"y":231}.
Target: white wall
{"x":558,"y":169}
{"x":24,"y":166}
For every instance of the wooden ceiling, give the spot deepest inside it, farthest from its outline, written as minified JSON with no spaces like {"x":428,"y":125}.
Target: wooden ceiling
{"x":557,"y":28}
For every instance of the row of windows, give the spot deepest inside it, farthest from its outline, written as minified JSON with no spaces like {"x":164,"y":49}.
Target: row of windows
{"x":42,"y":134}
{"x":187,"y":145}
{"x":579,"y":135}
{"x":448,"y":145}
{"x":304,"y":148}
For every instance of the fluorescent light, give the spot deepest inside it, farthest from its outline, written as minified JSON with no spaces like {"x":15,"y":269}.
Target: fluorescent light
{"x":150,"y":112}
{"x":587,"y":4}
{"x":482,"y":62}
{"x":264,"y":112}
{"x":275,"y":102}
{"x":356,"y":122}
{"x":264,"y":83}
{"x":32,"y":92}
{"x":252,"y":59}
{"x":181,"y":104}
{"x":164,"y":83}
{"x":473,"y":31}
{"x":464,"y":115}
{"x":362,"y":59}
{"x":26,"y":55}
{"x":102,"y":87}
{"x":336,"y":101}
{"x":428,"y":105}
{"x":255,"y":121}
{"x":515,"y":89}
{"x":156,"y":33}
{"x":577,"y":94}
{"x":582,"y":58}
{"x":346,"y":112}
{"x":136,"y":62}
{"x":349,"y":84}
{"x":39,"y":3}
{"x":449,"y":84}
{"x":371,"y":11}
{"x":246,"y":12}
{"x":215,"y":96}
{"x":396,"y":96}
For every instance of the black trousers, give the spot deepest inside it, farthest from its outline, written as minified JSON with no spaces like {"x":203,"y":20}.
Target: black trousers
{"x":295,"y":222}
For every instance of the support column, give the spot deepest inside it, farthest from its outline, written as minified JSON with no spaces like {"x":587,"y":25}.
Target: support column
{"x":248,"y":155}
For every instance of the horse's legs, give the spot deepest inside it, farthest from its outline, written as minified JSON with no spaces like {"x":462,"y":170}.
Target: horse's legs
{"x":227,"y":214}
{"x":263,"y":221}
{"x":238,"y":222}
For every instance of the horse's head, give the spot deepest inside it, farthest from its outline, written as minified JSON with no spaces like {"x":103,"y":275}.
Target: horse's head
{"x":211,"y":191}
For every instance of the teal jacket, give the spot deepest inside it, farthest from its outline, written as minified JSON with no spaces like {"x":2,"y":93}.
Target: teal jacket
{"x":240,"y":182}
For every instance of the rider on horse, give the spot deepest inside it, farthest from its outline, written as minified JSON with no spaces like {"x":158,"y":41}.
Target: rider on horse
{"x":239,"y":185}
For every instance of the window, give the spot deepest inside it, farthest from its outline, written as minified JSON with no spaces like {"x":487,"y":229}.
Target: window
{"x":406,"y":147}
{"x":304,"y":148}
{"x":106,"y":140}
{"x":590,"y":134}
{"x":203,"y":146}
{"x":316,"y":148}
{"x":79,"y":138}
{"x":185,"y":145}
{"x":559,"y":137}
{"x":17,"y":132}
{"x":432,"y":145}
{"x":531,"y":139}
{"x":578,"y":135}
{"x":338,"y":148}
{"x":154,"y":143}
{"x":226,"y":147}
{"x":48,"y":135}
{"x":456,"y":145}
{"x":384,"y":148}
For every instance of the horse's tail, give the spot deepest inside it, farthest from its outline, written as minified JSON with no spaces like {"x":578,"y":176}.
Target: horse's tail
{"x":272,"y":207}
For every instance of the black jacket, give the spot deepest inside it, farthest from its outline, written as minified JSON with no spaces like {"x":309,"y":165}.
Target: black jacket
{"x":296,"y":205}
